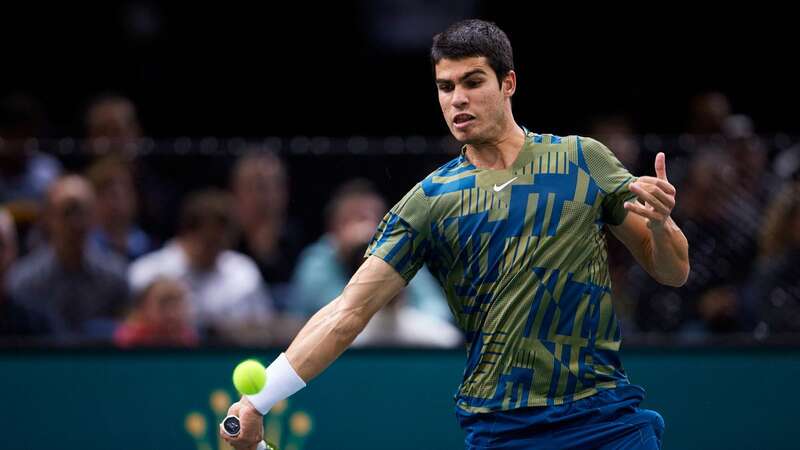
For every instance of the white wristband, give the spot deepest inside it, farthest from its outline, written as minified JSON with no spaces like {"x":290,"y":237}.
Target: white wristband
{"x":282,"y":381}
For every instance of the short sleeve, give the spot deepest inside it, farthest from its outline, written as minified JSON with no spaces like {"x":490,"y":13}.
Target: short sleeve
{"x":612,"y":177}
{"x":402,"y":236}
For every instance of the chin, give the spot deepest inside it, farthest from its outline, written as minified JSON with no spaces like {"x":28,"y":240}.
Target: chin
{"x":460,"y":138}
{"x":464,"y":137}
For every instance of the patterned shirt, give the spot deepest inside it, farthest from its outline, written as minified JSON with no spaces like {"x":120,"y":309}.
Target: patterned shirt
{"x":521,"y":256}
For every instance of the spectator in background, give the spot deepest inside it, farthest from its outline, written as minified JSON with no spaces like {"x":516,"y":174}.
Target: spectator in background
{"x":14,"y":319}
{"x":352,"y":216}
{"x":260,"y":187}
{"x":115,"y":228}
{"x":725,"y":188}
{"x":25,"y":172}
{"x":708,"y":112}
{"x":750,"y":159}
{"x":721,"y":256}
{"x":113,"y":128}
{"x":79,"y":288}
{"x":726,"y":246}
{"x":160,"y":317}
{"x":773,"y":294}
{"x":227,"y":295}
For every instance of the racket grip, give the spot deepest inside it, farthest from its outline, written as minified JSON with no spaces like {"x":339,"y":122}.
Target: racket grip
{"x":231,"y":426}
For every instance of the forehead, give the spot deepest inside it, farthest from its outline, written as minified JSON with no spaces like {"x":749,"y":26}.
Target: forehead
{"x":260,"y":168}
{"x":168,"y":288}
{"x":453,"y":69}
{"x":70,"y":190}
{"x":359,"y":203}
{"x":110,"y":113}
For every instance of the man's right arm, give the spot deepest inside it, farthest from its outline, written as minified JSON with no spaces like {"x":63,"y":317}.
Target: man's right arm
{"x":333,"y":328}
{"x":397,"y":252}
{"x":326,"y":336}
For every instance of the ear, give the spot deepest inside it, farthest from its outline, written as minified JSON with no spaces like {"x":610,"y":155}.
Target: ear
{"x":509,"y":85}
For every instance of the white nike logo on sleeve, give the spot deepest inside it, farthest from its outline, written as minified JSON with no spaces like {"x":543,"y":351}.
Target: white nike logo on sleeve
{"x":500,"y":188}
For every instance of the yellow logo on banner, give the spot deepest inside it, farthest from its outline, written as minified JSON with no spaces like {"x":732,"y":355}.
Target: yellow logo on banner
{"x":284,"y":428}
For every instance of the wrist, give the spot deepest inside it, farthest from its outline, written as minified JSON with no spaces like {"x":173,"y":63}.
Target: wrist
{"x":282,"y":381}
{"x":661,"y":226}
{"x":246,"y":403}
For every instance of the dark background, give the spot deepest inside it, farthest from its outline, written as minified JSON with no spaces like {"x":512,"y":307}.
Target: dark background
{"x":362,"y":68}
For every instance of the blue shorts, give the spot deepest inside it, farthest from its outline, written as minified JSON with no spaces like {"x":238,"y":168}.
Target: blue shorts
{"x":610,"y":419}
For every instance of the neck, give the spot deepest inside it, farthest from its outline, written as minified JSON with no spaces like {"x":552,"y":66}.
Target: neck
{"x":253,"y":223}
{"x":192,"y":253}
{"x":500,"y":152}
{"x":70,"y":256}
{"x":117,"y":230}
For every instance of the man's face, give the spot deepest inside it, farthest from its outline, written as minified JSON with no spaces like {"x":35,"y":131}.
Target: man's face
{"x":472,"y":102}
{"x":166,"y":306}
{"x":70,"y":212}
{"x":212,"y":237}
{"x":262,"y":186}
{"x":115,"y":124}
{"x":116,"y":199}
{"x":113,"y":120}
{"x":356,"y":219}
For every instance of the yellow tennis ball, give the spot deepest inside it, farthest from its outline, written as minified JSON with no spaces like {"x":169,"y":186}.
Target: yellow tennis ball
{"x":249,"y":377}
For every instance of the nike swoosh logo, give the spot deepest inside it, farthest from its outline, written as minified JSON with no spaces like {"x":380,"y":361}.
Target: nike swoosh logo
{"x":500,"y":188}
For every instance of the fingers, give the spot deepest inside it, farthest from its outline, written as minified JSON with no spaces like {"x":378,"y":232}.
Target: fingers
{"x":232,"y":411}
{"x":245,"y":445}
{"x":252,"y":425}
{"x":245,"y":439}
{"x":225,"y":436}
{"x":644,"y":211}
{"x":656,"y":198}
{"x":661,"y":166}
{"x":664,"y":185}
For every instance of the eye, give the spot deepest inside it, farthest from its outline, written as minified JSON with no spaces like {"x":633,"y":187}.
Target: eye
{"x":473,"y":82}
{"x":445,"y":87}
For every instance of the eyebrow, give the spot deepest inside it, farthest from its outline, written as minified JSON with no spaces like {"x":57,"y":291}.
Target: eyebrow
{"x":463,"y":77}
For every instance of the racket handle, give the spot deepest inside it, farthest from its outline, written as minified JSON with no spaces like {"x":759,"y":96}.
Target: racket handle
{"x":231,"y":426}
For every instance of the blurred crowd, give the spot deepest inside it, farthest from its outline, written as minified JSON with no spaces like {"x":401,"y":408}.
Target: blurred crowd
{"x":106,"y":247}
{"x":737,"y":204}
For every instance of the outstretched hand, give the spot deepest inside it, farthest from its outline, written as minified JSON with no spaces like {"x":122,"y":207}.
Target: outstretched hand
{"x":655,"y":194}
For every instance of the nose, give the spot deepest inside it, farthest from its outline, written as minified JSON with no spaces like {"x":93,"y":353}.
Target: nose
{"x":460,"y":99}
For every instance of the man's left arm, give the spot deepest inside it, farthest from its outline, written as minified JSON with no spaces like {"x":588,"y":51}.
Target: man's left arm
{"x":648,"y":231}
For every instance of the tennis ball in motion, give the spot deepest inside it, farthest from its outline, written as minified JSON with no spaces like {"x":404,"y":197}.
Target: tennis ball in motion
{"x":249,"y":377}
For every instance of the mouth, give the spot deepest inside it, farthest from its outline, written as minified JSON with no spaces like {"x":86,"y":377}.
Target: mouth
{"x":463,"y":120}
